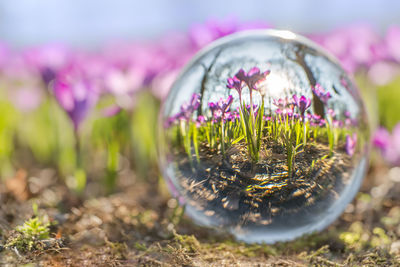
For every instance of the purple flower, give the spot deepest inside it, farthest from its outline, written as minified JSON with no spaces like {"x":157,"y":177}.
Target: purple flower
{"x":389,"y":144}
{"x":351,"y":142}
{"x":252,"y":78}
{"x":202,"y":34}
{"x":225,"y":104}
{"x":381,"y":138}
{"x":302,"y":103}
{"x":111,"y":111}
{"x":331,"y":112}
{"x":235,"y":83}
{"x":392,"y":42}
{"x":48,"y":60}
{"x":219,"y":108}
{"x":75,"y":93}
{"x":188,"y":108}
{"x":357,"y":45}
{"x":200,"y":120}
{"x":162,"y":83}
{"x":26,"y":99}
{"x":171,"y":121}
{"x":213,"y":107}
{"x":337,"y":123}
{"x":281,"y":103}
{"x":322,"y":123}
{"x":320,"y":92}
{"x":122,"y":83}
{"x":4,"y":55}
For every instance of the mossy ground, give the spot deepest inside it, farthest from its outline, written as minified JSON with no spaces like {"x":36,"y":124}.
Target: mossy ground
{"x":142,"y":225}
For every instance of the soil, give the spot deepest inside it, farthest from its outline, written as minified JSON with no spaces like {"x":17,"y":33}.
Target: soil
{"x":141,"y":225}
{"x":236,"y":192}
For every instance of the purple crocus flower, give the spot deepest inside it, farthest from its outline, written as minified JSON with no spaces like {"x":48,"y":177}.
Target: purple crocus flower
{"x":200,"y":120}
{"x":171,"y":121}
{"x":225,"y":104}
{"x":48,"y":60}
{"x":337,"y":123}
{"x":219,"y":108}
{"x":321,"y":93}
{"x":212,"y":106}
{"x":188,"y":108}
{"x":75,"y":93}
{"x":281,"y":103}
{"x":252,"y":78}
{"x":351,"y":142}
{"x":235,"y":83}
{"x":331,"y":112}
{"x":302,"y":103}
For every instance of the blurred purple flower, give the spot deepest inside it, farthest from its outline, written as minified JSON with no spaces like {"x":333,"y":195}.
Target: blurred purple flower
{"x":302,"y":103}
{"x":48,"y":59}
{"x":321,"y":93}
{"x":122,"y":83}
{"x":351,"y":142}
{"x":224,"y":105}
{"x":111,"y":111}
{"x":219,"y":108}
{"x":381,"y":138}
{"x":75,"y":93}
{"x":388,"y":144}
{"x":331,"y":112}
{"x":355,"y":45}
{"x":203,"y":34}
{"x":252,"y":78}
{"x":189,"y":107}
{"x":235,"y":83}
{"x":281,"y":103}
{"x":392,"y":41}
{"x":200,"y":120}
{"x":382,"y":72}
{"x":5,"y":53}
{"x":162,"y":83}
{"x":26,"y":99}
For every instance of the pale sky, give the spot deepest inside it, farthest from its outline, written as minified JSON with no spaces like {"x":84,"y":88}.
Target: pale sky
{"x":91,"y":22}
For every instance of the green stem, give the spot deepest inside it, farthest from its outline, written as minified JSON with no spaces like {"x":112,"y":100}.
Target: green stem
{"x":222,"y":136}
{"x":304,"y":132}
{"x":80,"y":174}
{"x":112,"y":165}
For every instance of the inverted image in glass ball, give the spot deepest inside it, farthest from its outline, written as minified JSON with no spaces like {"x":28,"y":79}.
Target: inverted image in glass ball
{"x":264,"y":134}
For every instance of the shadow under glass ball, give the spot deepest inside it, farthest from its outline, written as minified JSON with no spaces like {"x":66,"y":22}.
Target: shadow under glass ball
{"x":264,"y":135}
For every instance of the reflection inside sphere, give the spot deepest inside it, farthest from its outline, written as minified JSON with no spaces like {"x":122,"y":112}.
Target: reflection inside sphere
{"x":264,"y":134}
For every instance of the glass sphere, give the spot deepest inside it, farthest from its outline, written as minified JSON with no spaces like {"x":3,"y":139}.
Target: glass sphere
{"x":264,"y":135}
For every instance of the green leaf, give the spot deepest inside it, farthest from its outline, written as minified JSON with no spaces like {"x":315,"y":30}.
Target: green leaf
{"x":237,"y":140}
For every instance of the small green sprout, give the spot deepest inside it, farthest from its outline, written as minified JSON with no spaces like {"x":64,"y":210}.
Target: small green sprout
{"x":29,"y":235}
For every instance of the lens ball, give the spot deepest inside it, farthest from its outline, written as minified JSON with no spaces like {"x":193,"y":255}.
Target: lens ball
{"x":264,"y":135}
